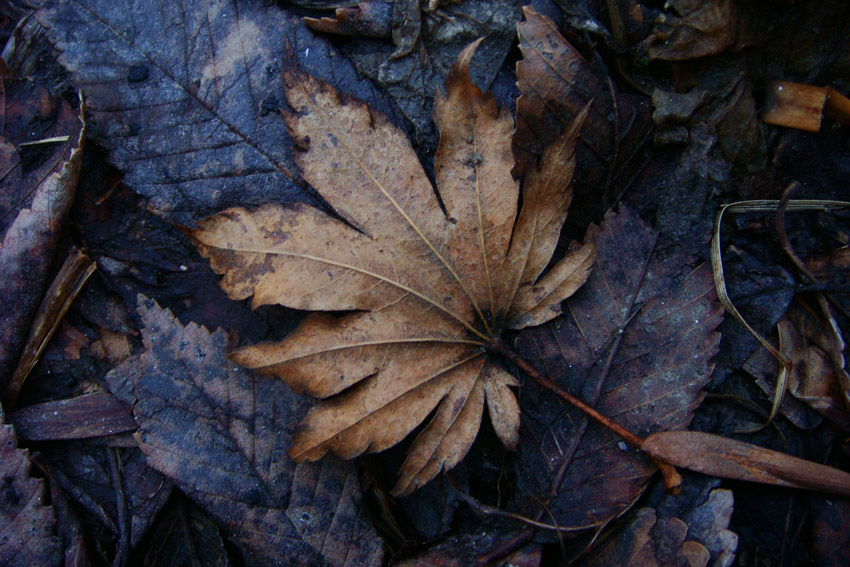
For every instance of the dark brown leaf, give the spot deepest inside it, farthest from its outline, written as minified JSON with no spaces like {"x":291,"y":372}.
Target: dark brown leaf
{"x":466,"y":550}
{"x":366,"y":19}
{"x":27,"y":524}
{"x":647,"y":541}
{"x":425,"y":45}
{"x":77,"y":418}
{"x":556,"y":82}
{"x":707,"y":511}
{"x":727,"y":458}
{"x":28,"y":250}
{"x":636,"y":344}
{"x":829,"y":537}
{"x":815,"y":378}
{"x":186,"y":94}
{"x":82,"y":470}
{"x":69,"y":281}
{"x":184,"y":535}
{"x":696,"y":29}
{"x":221,"y":435}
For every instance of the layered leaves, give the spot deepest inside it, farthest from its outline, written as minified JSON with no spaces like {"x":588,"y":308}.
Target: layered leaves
{"x":636,"y":343}
{"x":220,"y":434}
{"x":185,"y":95}
{"x":432,"y":285}
{"x":27,"y":521}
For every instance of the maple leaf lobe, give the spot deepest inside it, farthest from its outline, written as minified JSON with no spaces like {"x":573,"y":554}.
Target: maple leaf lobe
{"x":431,"y":289}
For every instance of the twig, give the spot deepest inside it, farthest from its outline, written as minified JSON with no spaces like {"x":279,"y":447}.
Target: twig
{"x":499,"y":347}
{"x":672,"y":478}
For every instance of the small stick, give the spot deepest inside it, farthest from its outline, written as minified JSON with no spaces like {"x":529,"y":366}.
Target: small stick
{"x":496,"y":345}
{"x":672,"y":478}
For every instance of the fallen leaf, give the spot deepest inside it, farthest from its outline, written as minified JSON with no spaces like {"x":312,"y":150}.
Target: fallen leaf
{"x":707,"y":511}
{"x":191,"y":116}
{"x":696,"y":29}
{"x":80,"y":470}
{"x":814,"y":377}
{"x":556,"y":82}
{"x":433,"y":289}
{"x":27,"y":521}
{"x":28,"y":249}
{"x":220,"y":435}
{"x":76,"y":418}
{"x":366,"y":19}
{"x":828,"y":535}
{"x":184,"y":535}
{"x":425,"y":44}
{"x":635,"y":343}
{"x":727,"y":458}
{"x":649,"y":541}
{"x":468,"y":549}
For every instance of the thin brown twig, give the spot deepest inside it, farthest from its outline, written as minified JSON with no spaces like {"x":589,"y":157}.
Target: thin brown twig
{"x":499,"y":347}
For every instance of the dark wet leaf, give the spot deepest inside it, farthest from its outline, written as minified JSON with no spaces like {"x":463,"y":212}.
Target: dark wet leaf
{"x":425,"y":44}
{"x":366,"y":19}
{"x":707,"y":510}
{"x":185,"y":95}
{"x":694,"y":29}
{"x":82,"y":471}
{"x":649,"y":541}
{"x":146,"y":490}
{"x":27,"y":524}
{"x":829,"y":537}
{"x":762,"y":293}
{"x":636,"y":343}
{"x":29,"y":114}
{"x":815,"y":377}
{"x":69,"y":527}
{"x":717,"y":97}
{"x":221,"y":435}
{"x":29,"y":248}
{"x":555,"y":83}
{"x":467,"y":549}
{"x":185,"y":537}
{"x":77,"y":418}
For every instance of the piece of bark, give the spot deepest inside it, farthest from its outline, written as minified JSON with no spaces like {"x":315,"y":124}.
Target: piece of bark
{"x":77,"y":418}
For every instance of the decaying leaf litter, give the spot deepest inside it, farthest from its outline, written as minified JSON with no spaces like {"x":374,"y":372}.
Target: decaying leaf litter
{"x":110,"y":323}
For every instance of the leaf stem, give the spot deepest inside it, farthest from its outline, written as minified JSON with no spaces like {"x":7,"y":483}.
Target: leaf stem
{"x":672,"y":478}
{"x":498,"y":346}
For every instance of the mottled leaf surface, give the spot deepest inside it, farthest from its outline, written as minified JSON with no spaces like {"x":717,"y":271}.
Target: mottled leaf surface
{"x":432,"y":288}
{"x":693,"y":535}
{"x":221,"y":435}
{"x":27,"y":523}
{"x":185,"y":95}
{"x":635,"y":342}
{"x":649,"y":541}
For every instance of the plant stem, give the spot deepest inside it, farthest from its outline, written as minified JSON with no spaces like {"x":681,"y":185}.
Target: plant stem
{"x":498,"y":346}
{"x":672,"y":478}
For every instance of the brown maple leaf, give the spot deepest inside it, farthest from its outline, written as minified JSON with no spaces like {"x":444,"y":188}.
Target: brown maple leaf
{"x":433,"y":287}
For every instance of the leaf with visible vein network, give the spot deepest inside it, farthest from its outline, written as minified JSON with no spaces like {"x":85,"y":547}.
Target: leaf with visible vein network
{"x":432,"y":288}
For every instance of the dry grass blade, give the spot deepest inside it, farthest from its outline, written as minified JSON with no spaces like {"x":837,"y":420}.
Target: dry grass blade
{"x":67,"y":284}
{"x":720,"y":279}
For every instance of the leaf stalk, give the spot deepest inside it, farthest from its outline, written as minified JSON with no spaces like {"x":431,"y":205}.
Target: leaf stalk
{"x":672,"y":478}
